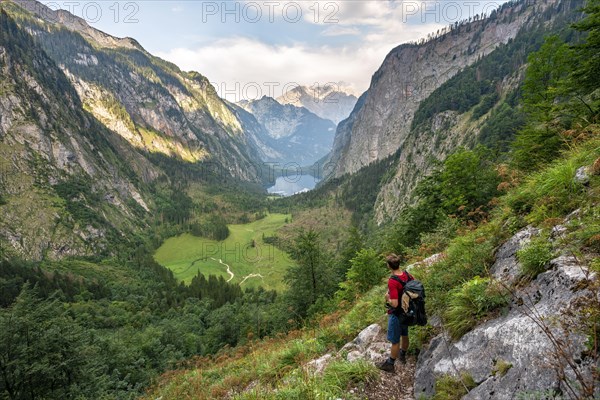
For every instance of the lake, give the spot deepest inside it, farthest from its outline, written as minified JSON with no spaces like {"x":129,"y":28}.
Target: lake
{"x":290,"y":185}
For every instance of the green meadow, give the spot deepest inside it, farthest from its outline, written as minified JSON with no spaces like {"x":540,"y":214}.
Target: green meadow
{"x":243,"y":257}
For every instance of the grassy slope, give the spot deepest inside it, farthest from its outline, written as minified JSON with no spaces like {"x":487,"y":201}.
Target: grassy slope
{"x":272,"y":369}
{"x":274,"y":366}
{"x":185,"y":255}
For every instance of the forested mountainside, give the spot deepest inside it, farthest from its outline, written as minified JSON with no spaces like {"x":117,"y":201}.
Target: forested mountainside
{"x":151,"y":103}
{"x":428,"y":99}
{"x":85,"y":311}
{"x":70,"y":185}
{"x":96,"y":134}
{"x":294,"y":134}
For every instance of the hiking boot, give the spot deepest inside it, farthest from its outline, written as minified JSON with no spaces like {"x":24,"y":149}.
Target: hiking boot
{"x":386,"y":366}
{"x":402,"y":357}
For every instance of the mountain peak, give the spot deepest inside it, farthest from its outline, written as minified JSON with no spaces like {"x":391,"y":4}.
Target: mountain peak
{"x":333,"y":100}
{"x":76,"y":24}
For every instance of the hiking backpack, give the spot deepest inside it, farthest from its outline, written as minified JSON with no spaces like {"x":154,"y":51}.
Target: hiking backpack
{"x":416,"y":306}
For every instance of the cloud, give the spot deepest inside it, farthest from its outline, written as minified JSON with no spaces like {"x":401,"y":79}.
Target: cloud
{"x":337,"y":30}
{"x":244,"y":68}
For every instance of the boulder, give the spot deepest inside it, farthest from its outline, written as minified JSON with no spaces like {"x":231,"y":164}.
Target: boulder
{"x":506,"y":267}
{"x":516,"y":338}
{"x":318,"y":365}
{"x":428,"y":262}
{"x":370,"y":344}
{"x":582,"y":176}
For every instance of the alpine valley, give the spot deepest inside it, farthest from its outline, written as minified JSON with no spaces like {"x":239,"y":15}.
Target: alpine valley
{"x":141,"y":255}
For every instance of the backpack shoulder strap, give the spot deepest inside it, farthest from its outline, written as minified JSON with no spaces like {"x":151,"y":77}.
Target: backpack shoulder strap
{"x":398,"y":279}
{"x":402,"y":281}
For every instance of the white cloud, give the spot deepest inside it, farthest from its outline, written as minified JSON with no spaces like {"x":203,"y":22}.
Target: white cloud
{"x":245,"y":68}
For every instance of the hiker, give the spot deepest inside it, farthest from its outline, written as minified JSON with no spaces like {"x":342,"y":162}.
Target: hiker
{"x":397,"y":332}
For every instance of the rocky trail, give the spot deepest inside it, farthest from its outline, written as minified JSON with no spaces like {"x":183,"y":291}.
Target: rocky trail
{"x":398,"y":385}
{"x":371,"y":345}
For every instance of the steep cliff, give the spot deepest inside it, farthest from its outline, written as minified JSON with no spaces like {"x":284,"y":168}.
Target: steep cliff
{"x":149,"y":102}
{"x":383,"y":121}
{"x":69,"y":185}
{"x":88,"y":122}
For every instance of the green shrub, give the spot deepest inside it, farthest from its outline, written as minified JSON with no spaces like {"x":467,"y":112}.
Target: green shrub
{"x":595,"y":265}
{"x":553,"y":192}
{"x":419,"y":337}
{"x":586,"y":229}
{"x":467,"y":256}
{"x":448,"y":387}
{"x":439,"y":239}
{"x":534,"y":257}
{"x":367,"y":270}
{"x":471,"y":302}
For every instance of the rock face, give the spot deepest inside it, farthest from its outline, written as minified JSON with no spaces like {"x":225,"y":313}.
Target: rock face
{"x":294,"y":134}
{"x":87,"y":123}
{"x":381,"y":123}
{"x":515,"y":339}
{"x":582,"y":176}
{"x":332,"y":101}
{"x":507,"y":266}
{"x":56,"y":161}
{"x":151,"y":103}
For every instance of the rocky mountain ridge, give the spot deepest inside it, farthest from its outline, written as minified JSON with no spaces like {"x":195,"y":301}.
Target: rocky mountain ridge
{"x":293,"y":134}
{"x":65,"y":185}
{"x":409,"y":74}
{"x":151,"y":103}
{"x":333,"y":101}
{"x":381,"y":124}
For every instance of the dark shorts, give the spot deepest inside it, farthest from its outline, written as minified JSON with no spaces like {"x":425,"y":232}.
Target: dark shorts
{"x":395,"y":329}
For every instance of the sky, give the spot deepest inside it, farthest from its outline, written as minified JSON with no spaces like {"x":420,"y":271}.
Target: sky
{"x":249,"y":48}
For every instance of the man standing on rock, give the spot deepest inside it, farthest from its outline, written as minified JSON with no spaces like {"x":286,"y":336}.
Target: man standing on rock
{"x":397,"y":333}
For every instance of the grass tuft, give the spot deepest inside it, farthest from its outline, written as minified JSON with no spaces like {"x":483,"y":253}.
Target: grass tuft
{"x":342,"y":374}
{"x":534,"y":257}
{"x":449,"y":387}
{"x":471,"y":302}
{"x":501,"y":367}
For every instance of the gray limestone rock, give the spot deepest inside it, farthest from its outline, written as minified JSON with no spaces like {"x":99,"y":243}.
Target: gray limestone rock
{"x":582,"y":176}
{"x":516,"y":338}
{"x":506,"y":266}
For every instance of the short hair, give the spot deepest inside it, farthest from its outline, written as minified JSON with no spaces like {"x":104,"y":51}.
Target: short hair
{"x":393,"y":261}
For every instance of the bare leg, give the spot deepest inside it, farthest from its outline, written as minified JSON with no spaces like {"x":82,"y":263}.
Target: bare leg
{"x":403,"y":343}
{"x":395,"y":350}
